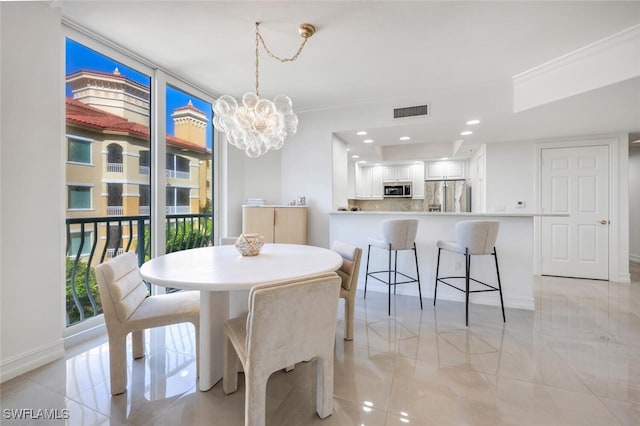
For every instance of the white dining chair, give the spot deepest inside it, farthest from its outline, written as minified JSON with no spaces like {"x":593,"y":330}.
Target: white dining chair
{"x":473,"y":238}
{"x":128,"y":309}
{"x":348,"y":272}
{"x":287,"y":322}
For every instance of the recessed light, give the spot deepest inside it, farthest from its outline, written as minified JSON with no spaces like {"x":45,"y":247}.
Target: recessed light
{"x":355,"y":156}
{"x":368,"y":141}
{"x":405,"y":138}
{"x":466,"y":133}
{"x":473,"y":122}
{"x":362,"y":161}
{"x":361,"y":133}
{"x":444,"y":158}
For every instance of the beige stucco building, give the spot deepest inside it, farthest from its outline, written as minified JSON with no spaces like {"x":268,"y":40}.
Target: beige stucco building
{"x":109,"y":160}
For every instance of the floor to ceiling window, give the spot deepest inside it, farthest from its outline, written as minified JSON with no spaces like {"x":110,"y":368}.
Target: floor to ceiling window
{"x":110,"y":175}
{"x":189,"y":170}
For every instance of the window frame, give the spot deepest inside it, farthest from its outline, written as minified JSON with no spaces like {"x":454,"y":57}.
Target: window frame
{"x":160,"y":79}
{"x":82,"y":140}
{"x":79,"y":185}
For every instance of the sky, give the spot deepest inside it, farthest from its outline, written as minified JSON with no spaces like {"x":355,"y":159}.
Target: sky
{"x":80,"y":57}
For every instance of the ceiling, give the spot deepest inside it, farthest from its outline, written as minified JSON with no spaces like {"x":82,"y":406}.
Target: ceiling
{"x":459,"y":57}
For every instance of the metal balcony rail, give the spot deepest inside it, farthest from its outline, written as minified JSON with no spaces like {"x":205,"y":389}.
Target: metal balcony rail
{"x":115,"y":210}
{"x":114,"y":235}
{"x":177,"y":174}
{"x":115,"y":167}
{"x":178,"y":209}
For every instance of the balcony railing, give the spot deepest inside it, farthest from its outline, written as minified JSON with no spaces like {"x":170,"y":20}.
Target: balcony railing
{"x":178,"y":209}
{"x":116,"y":235}
{"x":115,"y":167}
{"x":178,"y":174}
{"x":115,"y":210}
{"x":144,"y":170}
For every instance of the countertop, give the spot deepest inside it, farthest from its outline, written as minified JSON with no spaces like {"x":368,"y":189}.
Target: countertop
{"x":461,"y":214}
{"x":272,"y":205}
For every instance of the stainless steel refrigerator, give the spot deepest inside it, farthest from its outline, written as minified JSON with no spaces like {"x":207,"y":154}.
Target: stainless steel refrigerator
{"x":452,"y":195}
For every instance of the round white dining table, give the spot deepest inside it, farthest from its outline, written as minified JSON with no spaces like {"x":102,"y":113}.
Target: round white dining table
{"x":224,"y":278}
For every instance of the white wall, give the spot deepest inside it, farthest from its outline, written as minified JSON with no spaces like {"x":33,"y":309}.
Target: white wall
{"x":242,"y":177}
{"x":262,"y":177}
{"x":634,"y":205}
{"x":307,"y":161}
{"x":32,"y":185}
{"x":509,"y":177}
{"x":230,"y":188}
{"x":340,"y":173}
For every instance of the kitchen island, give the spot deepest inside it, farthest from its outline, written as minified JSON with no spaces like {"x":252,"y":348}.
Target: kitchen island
{"x":514,"y":247}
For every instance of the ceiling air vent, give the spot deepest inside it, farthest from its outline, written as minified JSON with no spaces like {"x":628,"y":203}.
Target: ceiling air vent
{"x":412,"y":111}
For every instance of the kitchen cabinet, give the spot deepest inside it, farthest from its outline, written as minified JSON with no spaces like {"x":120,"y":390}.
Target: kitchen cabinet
{"x":450,"y":169}
{"x":369,"y":182}
{"x":397,"y":173}
{"x":417,"y":180}
{"x":277,"y":224}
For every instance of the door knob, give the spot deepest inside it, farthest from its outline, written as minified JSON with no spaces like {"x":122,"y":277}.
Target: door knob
{"x":604,"y":222}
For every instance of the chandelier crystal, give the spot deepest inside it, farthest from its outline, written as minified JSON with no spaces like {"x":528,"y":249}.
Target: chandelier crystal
{"x":258,"y":125}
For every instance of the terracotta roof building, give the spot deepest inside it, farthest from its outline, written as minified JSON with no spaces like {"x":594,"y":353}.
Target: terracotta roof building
{"x":109,"y":154}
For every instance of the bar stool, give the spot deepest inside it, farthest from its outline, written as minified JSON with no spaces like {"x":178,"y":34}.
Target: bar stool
{"x":473,"y":238}
{"x":398,"y":235}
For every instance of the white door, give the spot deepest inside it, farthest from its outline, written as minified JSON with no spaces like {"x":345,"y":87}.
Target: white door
{"x":575,"y":181}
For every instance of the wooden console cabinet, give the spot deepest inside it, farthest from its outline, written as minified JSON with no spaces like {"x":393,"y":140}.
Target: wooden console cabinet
{"x":277,"y":224}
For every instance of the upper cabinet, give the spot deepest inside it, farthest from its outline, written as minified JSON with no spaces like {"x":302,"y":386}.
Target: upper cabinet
{"x":417,"y":179}
{"x":368,"y":182}
{"x":398,"y":173}
{"x":450,"y":169}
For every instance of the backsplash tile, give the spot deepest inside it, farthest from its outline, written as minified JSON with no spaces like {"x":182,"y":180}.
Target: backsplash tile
{"x":388,"y":204}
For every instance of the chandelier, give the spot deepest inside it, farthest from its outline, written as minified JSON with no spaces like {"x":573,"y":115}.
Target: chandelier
{"x":258,"y":125}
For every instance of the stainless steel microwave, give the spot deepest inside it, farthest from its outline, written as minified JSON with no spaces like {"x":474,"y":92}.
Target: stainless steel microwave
{"x":397,"y":189}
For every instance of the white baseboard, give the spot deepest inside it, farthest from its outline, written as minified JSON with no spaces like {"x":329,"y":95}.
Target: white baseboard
{"x":31,"y":360}
{"x":85,"y":335}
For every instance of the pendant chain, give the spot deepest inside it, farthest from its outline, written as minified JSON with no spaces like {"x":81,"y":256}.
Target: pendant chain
{"x":260,"y":40}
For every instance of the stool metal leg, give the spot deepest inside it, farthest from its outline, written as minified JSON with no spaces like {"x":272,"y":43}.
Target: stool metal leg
{"x":389,"y":301}
{"x":415,"y":252}
{"x":366,"y":277}
{"x":495,"y":256}
{"x":395,"y":273}
{"x":435,"y":289}
{"x":468,"y":272}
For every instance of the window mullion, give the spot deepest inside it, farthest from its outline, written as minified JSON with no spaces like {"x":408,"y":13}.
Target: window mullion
{"x":158,"y":164}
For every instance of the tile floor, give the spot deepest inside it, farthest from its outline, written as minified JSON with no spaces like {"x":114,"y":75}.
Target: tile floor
{"x":575,"y":360}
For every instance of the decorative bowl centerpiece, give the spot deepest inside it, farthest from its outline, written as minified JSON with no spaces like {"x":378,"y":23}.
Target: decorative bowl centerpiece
{"x":249,"y":244}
